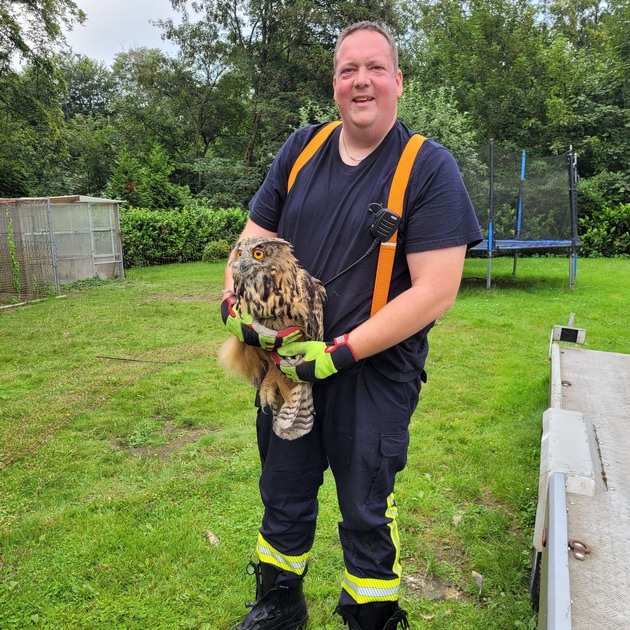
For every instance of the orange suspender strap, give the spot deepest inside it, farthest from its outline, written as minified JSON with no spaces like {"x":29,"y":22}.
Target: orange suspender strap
{"x":395,"y":203}
{"x":310,"y":149}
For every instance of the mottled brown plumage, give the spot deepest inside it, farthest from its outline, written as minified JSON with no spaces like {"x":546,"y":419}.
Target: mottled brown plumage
{"x":271,"y":285}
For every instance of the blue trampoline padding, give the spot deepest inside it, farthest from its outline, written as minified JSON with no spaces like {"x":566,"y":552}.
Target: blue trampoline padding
{"x":514,"y":244}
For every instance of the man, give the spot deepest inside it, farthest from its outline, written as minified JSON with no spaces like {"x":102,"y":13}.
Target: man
{"x":366,"y":382}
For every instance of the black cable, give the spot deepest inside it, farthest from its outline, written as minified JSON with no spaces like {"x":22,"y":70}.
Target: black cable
{"x":375,"y":242}
{"x":384,"y":226}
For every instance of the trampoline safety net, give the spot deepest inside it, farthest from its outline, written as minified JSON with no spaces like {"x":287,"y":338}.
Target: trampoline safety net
{"x":524,"y":203}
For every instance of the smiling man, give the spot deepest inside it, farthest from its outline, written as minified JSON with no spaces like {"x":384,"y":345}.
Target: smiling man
{"x":367,"y":85}
{"x":367,"y":375}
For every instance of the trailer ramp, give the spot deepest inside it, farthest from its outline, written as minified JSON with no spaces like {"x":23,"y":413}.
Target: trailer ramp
{"x":586,"y":439}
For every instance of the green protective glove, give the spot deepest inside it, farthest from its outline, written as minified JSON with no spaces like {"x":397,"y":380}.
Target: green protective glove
{"x":311,"y":361}
{"x":253,"y":333}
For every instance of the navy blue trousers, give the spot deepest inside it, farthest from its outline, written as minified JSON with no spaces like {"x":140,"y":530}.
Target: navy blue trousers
{"x":361,"y":431}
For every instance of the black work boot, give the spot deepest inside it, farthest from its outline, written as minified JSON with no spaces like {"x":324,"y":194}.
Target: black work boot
{"x":277,"y":606}
{"x":373,"y":616}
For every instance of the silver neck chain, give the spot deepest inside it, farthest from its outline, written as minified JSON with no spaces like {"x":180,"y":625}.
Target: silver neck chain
{"x":343,"y":141}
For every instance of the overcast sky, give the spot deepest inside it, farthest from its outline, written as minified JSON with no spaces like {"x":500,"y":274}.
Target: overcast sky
{"x":115,"y":26}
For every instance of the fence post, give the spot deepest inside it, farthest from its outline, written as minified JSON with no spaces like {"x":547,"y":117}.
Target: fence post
{"x":53,"y":245}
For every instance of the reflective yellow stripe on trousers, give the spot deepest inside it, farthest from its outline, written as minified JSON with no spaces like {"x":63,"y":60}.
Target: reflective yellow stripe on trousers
{"x":269,"y":555}
{"x":365,"y":590}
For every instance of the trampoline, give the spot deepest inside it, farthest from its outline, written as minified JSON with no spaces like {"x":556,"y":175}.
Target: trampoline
{"x":525,"y":206}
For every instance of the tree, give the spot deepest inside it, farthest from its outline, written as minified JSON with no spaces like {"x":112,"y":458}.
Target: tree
{"x":579,"y":21}
{"x":616,"y":30}
{"x":30,"y":30}
{"x":435,"y":114}
{"x":88,"y":86}
{"x":144,"y":182}
{"x":587,"y":102}
{"x":31,"y":129}
{"x":143,"y":116}
{"x":488,"y":51}
{"x":92,"y":142}
{"x":282,"y":50}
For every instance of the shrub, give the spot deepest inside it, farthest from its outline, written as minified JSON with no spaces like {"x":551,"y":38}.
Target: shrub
{"x":215,"y":251}
{"x":152,"y":237}
{"x":607,"y":231}
{"x":603,"y":189}
{"x":225,"y":183}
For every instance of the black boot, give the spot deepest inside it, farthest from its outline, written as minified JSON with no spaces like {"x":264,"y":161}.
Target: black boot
{"x":277,"y":606}
{"x":373,"y":616}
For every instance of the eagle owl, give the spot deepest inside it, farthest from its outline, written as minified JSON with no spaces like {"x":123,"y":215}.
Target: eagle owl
{"x":271,"y":285}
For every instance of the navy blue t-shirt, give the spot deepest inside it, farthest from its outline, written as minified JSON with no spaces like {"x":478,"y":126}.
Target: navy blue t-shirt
{"x":326,"y":218}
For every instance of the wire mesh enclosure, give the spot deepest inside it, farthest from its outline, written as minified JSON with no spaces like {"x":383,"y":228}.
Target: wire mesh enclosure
{"x":525,"y":204}
{"x":47,"y":242}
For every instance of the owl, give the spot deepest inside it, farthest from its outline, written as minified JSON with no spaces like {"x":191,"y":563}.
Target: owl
{"x":271,"y":285}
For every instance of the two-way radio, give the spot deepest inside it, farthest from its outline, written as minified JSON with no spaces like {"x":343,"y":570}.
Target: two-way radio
{"x":385,"y":223}
{"x":382,"y":229}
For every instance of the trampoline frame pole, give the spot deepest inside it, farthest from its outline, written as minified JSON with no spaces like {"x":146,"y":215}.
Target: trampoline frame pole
{"x":519,"y":209}
{"x":572,"y":163}
{"x":491,"y":218}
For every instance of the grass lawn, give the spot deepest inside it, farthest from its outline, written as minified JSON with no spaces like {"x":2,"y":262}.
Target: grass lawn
{"x":124,"y":446}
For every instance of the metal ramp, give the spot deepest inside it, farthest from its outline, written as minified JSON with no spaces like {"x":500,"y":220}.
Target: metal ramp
{"x":581,"y":571}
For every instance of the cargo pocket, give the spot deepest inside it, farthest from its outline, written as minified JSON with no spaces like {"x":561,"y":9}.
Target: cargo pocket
{"x":393,"y":455}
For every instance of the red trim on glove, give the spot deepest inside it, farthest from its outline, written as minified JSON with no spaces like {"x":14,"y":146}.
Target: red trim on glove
{"x":341,"y":341}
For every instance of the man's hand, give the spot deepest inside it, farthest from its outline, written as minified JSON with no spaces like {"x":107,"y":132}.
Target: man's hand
{"x":314,"y":360}
{"x":253,"y":333}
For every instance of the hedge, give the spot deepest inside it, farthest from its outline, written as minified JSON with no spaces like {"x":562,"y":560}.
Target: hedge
{"x":153,"y":237}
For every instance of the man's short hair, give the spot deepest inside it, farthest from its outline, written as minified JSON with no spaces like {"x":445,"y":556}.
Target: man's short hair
{"x":368,"y":26}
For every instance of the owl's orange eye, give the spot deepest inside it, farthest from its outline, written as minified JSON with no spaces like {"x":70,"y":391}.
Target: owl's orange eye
{"x":258,"y":254}
{"x":237,"y":254}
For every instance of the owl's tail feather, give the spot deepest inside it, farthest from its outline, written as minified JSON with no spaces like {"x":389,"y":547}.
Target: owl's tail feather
{"x":294,"y":418}
{"x":245,"y":361}
{"x":291,"y":403}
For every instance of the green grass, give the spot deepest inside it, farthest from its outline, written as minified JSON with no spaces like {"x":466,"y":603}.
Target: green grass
{"x":122,"y":442}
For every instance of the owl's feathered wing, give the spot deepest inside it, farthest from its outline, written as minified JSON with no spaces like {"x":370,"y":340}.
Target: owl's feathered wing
{"x":278,"y":293}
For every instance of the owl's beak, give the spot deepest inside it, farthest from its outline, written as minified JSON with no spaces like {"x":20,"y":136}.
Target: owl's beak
{"x":242,"y":265}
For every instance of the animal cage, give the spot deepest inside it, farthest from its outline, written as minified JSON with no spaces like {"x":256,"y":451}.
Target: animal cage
{"x":49,"y":241}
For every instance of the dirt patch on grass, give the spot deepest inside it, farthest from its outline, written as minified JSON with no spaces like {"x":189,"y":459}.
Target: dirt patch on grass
{"x":82,"y":389}
{"x":177,"y":439}
{"x":430,"y":587}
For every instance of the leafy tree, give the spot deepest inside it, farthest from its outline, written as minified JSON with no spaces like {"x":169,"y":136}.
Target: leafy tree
{"x":88,"y":86}
{"x":282,"y":50}
{"x":208,"y":96}
{"x":227,"y":183}
{"x":191,"y":106}
{"x":145,"y":183}
{"x":435,"y":114}
{"x":31,"y":125}
{"x":125,"y":182}
{"x":488,"y":51}
{"x":161,"y":101}
{"x":616,"y":29}
{"x":579,"y":21}
{"x":92,"y":146}
{"x":144,"y":114}
{"x":16,"y":154}
{"x":587,"y":104}
{"x":30,"y":29}
{"x":161,"y":192}
{"x":30,"y":137}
